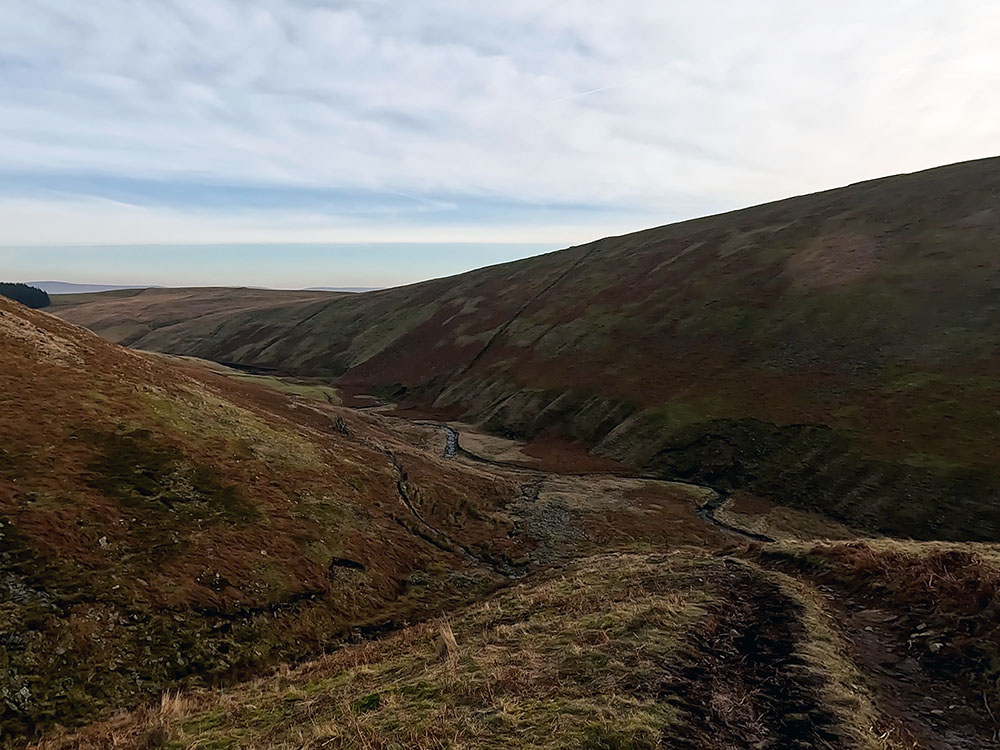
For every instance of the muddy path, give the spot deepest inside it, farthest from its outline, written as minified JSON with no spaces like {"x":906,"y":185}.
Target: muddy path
{"x":741,"y":680}
{"x":936,"y":714}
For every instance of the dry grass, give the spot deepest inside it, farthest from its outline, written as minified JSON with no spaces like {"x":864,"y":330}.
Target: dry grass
{"x":580,"y":658}
{"x":950,"y":590}
{"x":447,"y":645}
{"x":844,"y":685}
{"x":536,"y":667}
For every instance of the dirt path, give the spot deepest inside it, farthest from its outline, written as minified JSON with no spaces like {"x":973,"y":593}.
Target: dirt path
{"x":937,"y":714}
{"x":741,"y":679}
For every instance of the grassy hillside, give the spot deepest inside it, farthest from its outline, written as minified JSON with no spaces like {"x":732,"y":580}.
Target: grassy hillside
{"x":165,"y":525}
{"x":836,"y":351}
{"x":125,"y":316}
{"x":161,"y":526}
{"x":634,"y":651}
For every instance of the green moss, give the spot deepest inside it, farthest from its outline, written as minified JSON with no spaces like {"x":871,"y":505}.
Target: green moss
{"x":148,"y":474}
{"x":370,"y":702}
{"x":204,"y":722}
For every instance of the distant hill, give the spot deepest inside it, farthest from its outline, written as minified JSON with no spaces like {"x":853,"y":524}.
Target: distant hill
{"x":126,"y":316}
{"x":65,"y":287}
{"x":835,"y":351}
{"x":353,"y":289}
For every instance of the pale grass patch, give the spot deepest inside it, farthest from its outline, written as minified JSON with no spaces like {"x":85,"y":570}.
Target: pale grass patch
{"x":447,"y":645}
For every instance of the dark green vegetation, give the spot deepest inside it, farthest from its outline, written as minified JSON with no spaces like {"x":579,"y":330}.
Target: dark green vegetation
{"x":832,"y":352}
{"x":26,"y":295}
{"x":144,"y":475}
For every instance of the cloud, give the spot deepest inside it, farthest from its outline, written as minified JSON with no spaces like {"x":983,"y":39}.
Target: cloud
{"x":639,"y":109}
{"x":98,"y":222}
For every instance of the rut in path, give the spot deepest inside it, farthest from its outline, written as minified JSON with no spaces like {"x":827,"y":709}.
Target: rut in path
{"x":739,"y":681}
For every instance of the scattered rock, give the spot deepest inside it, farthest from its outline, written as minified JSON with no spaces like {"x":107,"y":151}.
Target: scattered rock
{"x":343,"y":562}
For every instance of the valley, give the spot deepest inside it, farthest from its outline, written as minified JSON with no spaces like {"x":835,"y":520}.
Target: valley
{"x":726,"y":483}
{"x":556,"y":375}
{"x":740,"y":639}
{"x":833,"y":352}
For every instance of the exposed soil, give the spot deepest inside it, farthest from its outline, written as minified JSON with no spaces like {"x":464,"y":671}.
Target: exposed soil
{"x":741,"y":682}
{"x":937,"y":714}
{"x":561,"y":456}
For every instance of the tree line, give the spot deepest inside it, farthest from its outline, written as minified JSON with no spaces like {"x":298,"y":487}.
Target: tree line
{"x":26,"y":295}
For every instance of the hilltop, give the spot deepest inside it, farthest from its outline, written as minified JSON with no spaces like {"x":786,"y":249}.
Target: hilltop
{"x":832,"y":352}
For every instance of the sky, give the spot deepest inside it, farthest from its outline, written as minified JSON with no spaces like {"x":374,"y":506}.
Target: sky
{"x":303,"y":143}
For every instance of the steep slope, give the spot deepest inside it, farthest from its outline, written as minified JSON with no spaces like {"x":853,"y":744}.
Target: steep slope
{"x":163,"y":526}
{"x":834,"y":351}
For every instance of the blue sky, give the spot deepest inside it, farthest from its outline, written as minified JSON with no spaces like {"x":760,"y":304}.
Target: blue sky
{"x":368,"y":143}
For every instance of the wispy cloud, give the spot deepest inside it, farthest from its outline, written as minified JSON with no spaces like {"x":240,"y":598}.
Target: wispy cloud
{"x":232,"y":116}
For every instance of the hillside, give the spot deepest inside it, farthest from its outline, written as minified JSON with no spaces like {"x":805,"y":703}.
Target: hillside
{"x":642,"y":651}
{"x":835,"y":351}
{"x":164,"y":525}
{"x":126,"y":316}
{"x":170,"y":532}
{"x":161,"y":525}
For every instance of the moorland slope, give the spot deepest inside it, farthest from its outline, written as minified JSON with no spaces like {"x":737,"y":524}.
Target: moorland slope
{"x":835,"y":351}
{"x":162,"y":525}
{"x":166,"y":525}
